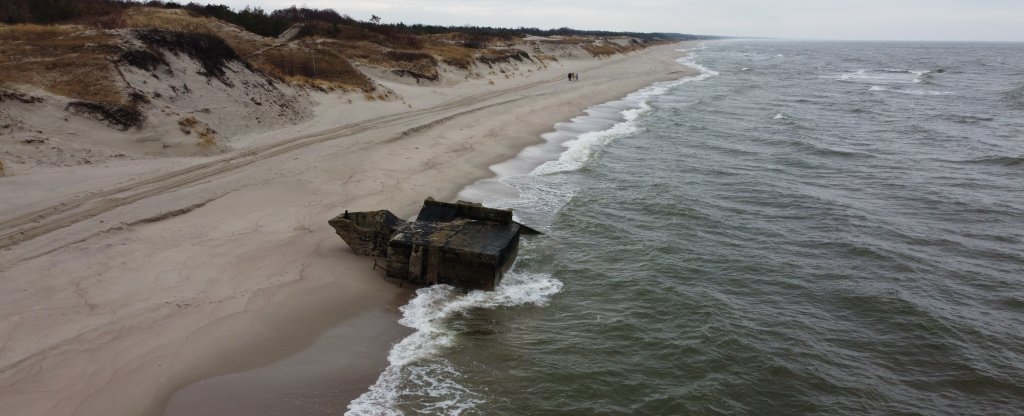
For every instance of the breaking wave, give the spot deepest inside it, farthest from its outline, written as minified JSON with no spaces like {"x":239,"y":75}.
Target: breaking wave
{"x":966,"y":119}
{"x":995,"y":161}
{"x":886,"y":76}
{"x":1016,"y":97}
{"x":909,"y":92}
{"x":582,"y":148}
{"x":569,"y":147}
{"x":416,"y":367}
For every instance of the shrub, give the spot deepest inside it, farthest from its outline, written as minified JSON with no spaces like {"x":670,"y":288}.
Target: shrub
{"x":209,"y":50}
{"x":207,"y":139}
{"x":494,"y":56}
{"x":119,"y":116}
{"x":188,"y":124}
{"x":410,"y":56}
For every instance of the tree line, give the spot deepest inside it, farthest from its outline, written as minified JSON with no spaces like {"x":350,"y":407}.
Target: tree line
{"x":261,"y":22}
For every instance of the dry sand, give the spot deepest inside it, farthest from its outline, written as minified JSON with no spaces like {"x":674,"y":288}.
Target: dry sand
{"x":159,"y":273}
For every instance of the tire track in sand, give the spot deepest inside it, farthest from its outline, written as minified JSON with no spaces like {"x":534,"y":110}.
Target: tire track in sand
{"x":30,"y":225}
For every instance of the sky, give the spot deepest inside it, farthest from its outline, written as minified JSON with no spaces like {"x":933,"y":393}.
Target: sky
{"x":963,"y":20}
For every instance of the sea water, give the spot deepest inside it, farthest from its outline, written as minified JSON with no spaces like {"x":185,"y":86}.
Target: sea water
{"x":804,"y":228}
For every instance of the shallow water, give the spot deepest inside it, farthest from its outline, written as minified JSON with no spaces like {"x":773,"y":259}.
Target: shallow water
{"x":825,"y":228}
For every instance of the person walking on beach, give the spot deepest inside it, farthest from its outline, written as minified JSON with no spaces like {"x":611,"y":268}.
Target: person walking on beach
{"x":570,"y":77}
{"x":575,"y":76}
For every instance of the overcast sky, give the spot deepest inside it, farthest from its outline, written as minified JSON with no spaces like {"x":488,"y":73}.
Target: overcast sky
{"x":800,"y":19}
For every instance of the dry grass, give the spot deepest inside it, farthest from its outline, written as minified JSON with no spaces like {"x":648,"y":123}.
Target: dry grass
{"x":418,"y":64}
{"x":304,"y":63}
{"x":206,"y":137}
{"x":168,"y":19}
{"x":243,"y":42}
{"x":542,"y":57}
{"x":72,"y":61}
{"x":315,"y":65}
{"x":604,"y":49}
{"x":600,"y":50}
{"x":246,"y":44}
{"x":79,"y":62}
{"x":367,"y":53}
{"x":31,"y":32}
{"x":188,"y":124}
{"x":3,"y":172}
{"x":363,"y":52}
{"x":454,"y":55}
{"x":207,"y":140}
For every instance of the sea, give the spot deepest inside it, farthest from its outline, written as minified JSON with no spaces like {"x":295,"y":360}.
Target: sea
{"x":832,"y":228}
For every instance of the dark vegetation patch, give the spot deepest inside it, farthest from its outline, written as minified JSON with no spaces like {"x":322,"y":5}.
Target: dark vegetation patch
{"x":143,"y":59}
{"x":54,"y":11}
{"x":474,"y":44}
{"x":419,"y":65}
{"x":170,"y":214}
{"x":209,"y":50}
{"x":418,"y":76}
{"x":7,"y":95}
{"x":120,"y":116}
{"x":411,"y":56}
{"x":496,"y":56}
{"x":459,"y":62}
{"x":138,"y":98}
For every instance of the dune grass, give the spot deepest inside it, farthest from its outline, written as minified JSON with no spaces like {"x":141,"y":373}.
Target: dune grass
{"x":73,"y":61}
{"x":79,"y":61}
{"x":311,"y":64}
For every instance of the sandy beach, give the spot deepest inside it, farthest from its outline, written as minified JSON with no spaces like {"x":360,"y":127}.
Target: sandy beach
{"x":213,"y":284}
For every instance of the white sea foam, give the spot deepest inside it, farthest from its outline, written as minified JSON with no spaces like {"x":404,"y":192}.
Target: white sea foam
{"x":569,"y":147}
{"x":582,"y":149}
{"x":778,"y":117}
{"x":885,"y":76}
{"x":909,"y":92}
{"x":415,"y":367}
{"x":919,"y":76}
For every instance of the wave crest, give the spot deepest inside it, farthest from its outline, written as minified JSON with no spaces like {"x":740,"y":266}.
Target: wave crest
{"x":886,"y":76}
{"x":1016,"y":97}
{"x":995,"y":161}
{"x":909,"y":92}
{"x":415,"y":368}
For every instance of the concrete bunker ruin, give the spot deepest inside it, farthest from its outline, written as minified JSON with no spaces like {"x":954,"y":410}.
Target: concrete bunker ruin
{"x":462,"y":244}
